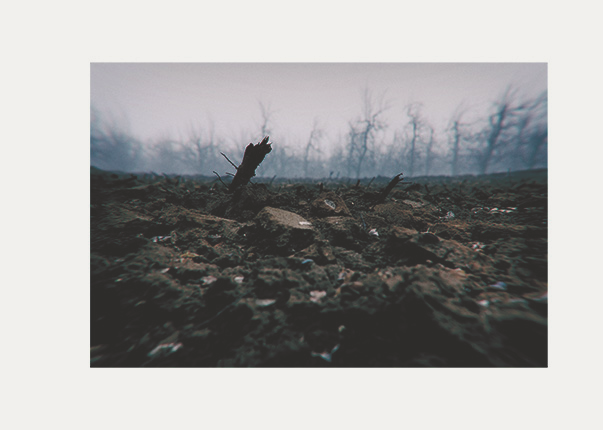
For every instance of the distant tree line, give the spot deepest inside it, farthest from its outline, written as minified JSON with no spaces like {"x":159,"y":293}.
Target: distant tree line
{"x":511,"y":135}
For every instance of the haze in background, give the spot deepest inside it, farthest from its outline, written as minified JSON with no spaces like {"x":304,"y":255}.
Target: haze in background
{"x":167,"y":99}
{"x":177,"y":117}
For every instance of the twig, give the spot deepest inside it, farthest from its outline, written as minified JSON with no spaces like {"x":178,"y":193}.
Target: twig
{"x":216,"y":173}
{"x":228,"y":159}
{"x":390,"y":187}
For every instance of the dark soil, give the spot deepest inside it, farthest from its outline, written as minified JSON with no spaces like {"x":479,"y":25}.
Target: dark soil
{"x":443,"y":272}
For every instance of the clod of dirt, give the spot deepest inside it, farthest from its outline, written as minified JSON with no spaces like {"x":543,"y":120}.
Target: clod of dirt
{"x":285,"y":230}
{"x":346,"y":232}
{"x":273,"y":219}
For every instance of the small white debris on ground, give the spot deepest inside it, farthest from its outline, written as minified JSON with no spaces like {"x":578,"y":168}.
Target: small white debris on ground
{"x":264,"y":302}
{"x":315,"y":296}
{"x":165,"y":348}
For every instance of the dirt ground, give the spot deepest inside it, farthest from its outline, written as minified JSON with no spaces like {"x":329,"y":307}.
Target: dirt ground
{"x":443,"y":272}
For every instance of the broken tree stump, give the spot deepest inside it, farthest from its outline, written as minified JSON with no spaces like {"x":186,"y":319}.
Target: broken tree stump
{"x":389,"y":187}
{"x":253,"y":156}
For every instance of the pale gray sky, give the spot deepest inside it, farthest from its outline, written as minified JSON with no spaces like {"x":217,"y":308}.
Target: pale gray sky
{"x":165,"y":99}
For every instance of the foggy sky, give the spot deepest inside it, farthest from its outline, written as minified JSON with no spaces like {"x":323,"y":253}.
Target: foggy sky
{"x":157,"y":100}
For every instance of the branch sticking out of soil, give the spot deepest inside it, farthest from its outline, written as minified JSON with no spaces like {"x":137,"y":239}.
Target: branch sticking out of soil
{"x":390,"y":187}
{"x":254,"y":155}
{"x":228,"y":159}
{"x":216,"y":173}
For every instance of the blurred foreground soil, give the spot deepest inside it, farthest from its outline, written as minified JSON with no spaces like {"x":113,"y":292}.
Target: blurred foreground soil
{"x":445,"y":272}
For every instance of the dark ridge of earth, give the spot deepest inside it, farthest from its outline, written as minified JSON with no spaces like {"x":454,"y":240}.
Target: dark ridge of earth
{"x":445,"y":272}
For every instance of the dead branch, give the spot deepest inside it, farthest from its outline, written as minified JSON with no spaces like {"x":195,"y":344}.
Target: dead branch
{"x":228,"y":159}
{"x":253,"y":156}
{"x":216,"y":173}
{"x":390,"y":187}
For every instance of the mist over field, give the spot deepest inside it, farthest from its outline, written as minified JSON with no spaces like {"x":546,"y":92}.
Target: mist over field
{"x":324,"y":120}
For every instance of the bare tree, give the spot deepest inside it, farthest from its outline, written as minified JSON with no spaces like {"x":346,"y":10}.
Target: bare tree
{"x":338,"y":161}
{"x":266,"y":114}
{"x":282,"y":162}
{"x":113,"y":148}
{"x":312,"y":145}
{"x":533,"y":134}
{"x":502,"y":127}
{"x":536,"y":144}
{"x":392,"y":158}
{"x":417,"y":127}
{"x":201,"y":152}
{"x":429,"y":150}
{"x":168,"y":155}
{"x":496,"y":123}
{"x":457,"y":137}
{"x":361,"y":135}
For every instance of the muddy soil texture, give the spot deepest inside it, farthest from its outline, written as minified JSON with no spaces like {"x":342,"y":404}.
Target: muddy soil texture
{"x":443,"y":272}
